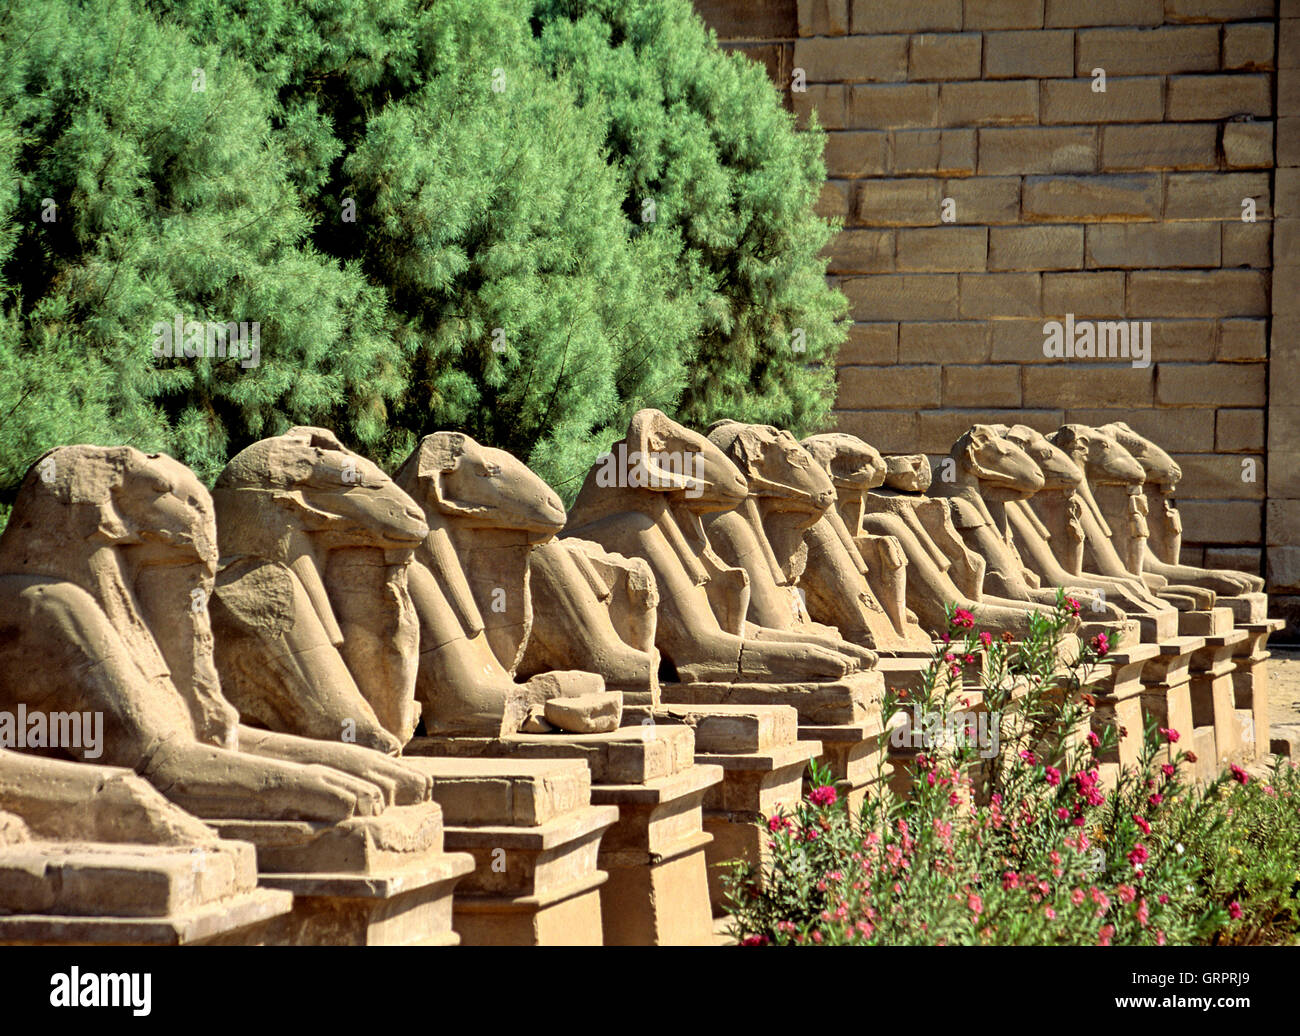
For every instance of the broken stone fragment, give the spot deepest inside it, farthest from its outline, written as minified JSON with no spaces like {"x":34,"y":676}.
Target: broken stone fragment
{"x":535,"y":723}
{"x":586,"y":713}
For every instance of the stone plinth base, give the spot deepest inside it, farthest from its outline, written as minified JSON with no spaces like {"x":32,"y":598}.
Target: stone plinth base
{"x":658,"y":892}
{"x":1119,"y":703}
{"x":54,"y":893}
{"x":657,"y":889}
{"x":534,"y":837}
{"x":763,"y":764}
{"x":1157,"y":626}
{"x":369,"y":881}
{"x":1246,"y":608}
{"x":1213,"y":701}
{"x":848,"y":700}
{"x":857,"y":755}
{"x":1250,"y":679}
{"x":1205,"y":622}
{"x":1166,"y":692}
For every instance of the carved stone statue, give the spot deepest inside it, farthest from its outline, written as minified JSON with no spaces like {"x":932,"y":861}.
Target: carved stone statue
{"x":1112,"y":490}
{"x":907,"y":480}
{"x":1102,"y":460}
{"x":647,"y":499}
{"x":858,"y":586}
{"x":788,"y":493}
{"x":1165,"y":529}
{"x":596,"y":612}
{"x":1062,"y":479}
{"x":63,"y":801}
{"x":486,"y":512}
{"x":106,"y":569}
{"x":316,"y":632}
{"x":992,"y":474}
{"x":897,"y":509}
{"x":92,"y":854}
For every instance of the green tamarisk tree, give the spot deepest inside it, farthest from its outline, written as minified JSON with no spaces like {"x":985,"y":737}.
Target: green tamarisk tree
{"x":523,"y":219}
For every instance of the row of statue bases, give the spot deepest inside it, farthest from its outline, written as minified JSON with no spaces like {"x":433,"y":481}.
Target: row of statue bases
{"x":438,"y":708}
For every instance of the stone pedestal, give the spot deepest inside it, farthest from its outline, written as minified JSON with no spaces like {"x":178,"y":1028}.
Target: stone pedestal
{"x":368,"y":881}
{"x":1246,"y":608}
{"x":64,"y":894}
{"x":904,"y":672}
{"x":657,"y":889}
{"x":1157,"y":626}
{"x":763,"y":762}
{"x":847,"y":700}
{"x":1119,"y":705}
{"x":843,"y":716}
{"x":1205,"y":622}
{"x":534,"y":836}
{"x":1213,"y":702}
{"x":1250,"y":680}
{"x":1166,"y":691}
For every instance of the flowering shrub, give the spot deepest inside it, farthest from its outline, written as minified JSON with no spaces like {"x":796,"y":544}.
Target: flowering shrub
{"x":1045,"y":842}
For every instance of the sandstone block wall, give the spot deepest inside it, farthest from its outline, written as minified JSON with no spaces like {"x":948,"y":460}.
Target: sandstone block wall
{"x":988,"y":185}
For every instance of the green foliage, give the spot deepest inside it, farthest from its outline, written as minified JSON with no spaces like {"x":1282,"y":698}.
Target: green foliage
{"x":702,"y":135}
{"x":168,"y":200}
{"x":497,"y":278}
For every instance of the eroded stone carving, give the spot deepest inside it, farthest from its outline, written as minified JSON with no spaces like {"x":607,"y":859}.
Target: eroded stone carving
{"x":896,"y":509}
{"x":1101,"y":596}
{"x":106,"y":569}
{"x":1164,"y":524}
{"x":991,"y":475}
{"x":1114,"y":513}
{"x":486,"y":512}
{"x":654,"y":511}
{"x":858,"y":586}
{"x":316,"y":632}
{"x":788,"y":493}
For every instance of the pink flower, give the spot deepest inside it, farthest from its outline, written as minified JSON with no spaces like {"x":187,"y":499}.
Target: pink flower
{"x":816,"y":936}
{"x":1138,"y":854}
{"x":1239,"y":775}
{"x":1155,"y":799}
{"x":754,"y":940}
{"x":1072,"y":606}
{"x":1103,"y":936}
{"x":1170,"y":734}
{"x":1077,"y":897}
{"x":1010,"y":880}
{"x":1143,"y":913}
{"x":1167,"y":769}
{"x":1093,"y":739}
{"x":1028,"y":757}
{"x":823,"y":796}
{"x":986,"y":638}
{"x":961,"y":617}
{"x":779,"y":823}
{"x":1141,"y":822}
{"x":1127,"y":893}
{"x":1234,"y":910}
{"x":1051,"y":914}
{"x":1052,"y":775}
{"x":1100,"y":643}
{"x":975,"y":904}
